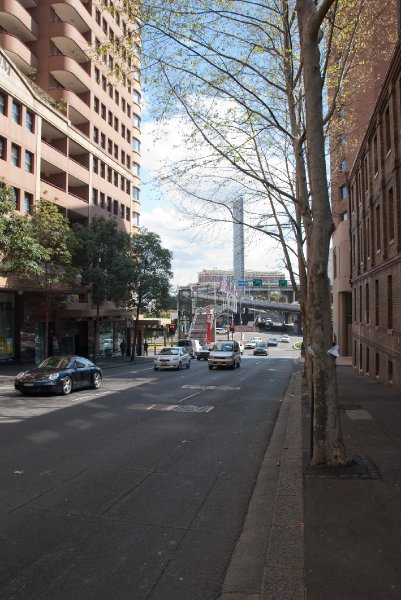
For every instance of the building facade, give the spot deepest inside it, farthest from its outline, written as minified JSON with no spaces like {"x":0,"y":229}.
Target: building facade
{"x":375,"y":220}
{"x":350,"y":123}
{"x":69,"y":132}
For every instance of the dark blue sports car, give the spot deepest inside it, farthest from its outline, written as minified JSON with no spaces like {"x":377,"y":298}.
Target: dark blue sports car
{"x":59,"y":374}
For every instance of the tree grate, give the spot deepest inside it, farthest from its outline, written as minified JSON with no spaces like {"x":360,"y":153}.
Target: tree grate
{"x":361,"y":467}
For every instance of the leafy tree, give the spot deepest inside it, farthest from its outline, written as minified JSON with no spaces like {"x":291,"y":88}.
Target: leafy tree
{"x":101,"y":253}
{"x":151,"y":273}
{"x":20,"y":252}
{"x":239,"y":72}
{"x":53,"y":271}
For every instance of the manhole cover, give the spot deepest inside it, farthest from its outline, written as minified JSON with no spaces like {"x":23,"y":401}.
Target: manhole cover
{"x":361,"y":467}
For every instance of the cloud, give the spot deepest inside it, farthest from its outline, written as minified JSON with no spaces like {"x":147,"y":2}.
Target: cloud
{"x":194,"y":247}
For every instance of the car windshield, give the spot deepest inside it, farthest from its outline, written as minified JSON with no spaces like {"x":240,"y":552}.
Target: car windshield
{"x":169,"y":351}
{"x":56,"y":362}
{"x":223,"y":347}
{"x":206,"y":347}
{"x":262,"y":345}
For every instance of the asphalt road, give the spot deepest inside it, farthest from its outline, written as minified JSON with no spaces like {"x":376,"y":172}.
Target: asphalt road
{"x":137,"y":490}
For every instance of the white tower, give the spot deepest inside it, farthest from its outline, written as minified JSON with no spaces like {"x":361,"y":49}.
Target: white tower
{"x":238,"y":239}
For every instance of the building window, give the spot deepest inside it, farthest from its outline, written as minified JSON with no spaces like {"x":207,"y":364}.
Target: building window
{"x":367,"y":303}
{"x":136,"y":169}
{"x":103,"y":141}
{"x":135,"y":193}
{"x":28,"y":202}
{"x":115,"y":178}
{"x":368,"y":237}
{"x":343,"y":166}
{"x":344,"y":216}
{"x":136,"y":121}
{"x":136,"y":145}
{"x":135,"y":219}
{"x":102,"y":170}
{"x":96,"y":104}
{"x":3,"y":104}
{"x":122,"y":211}
{"x":136,"y":97}
{"x":15,"y":155}
{"x":343,"y":191}
{"x":109,"y":174}
{"x":375,"y":156}
{"x":16,"y":112}
{"x":115,"y":207}
{"x":389,"y":302}
{"x":387,"y":130}
{"x":390,"y":214}
{"x":102,"y":201}
{"x":377,"y":309}
{"x":127,"y":213}
{"x":110,"y":118}
{"x":3,"y":148}
{"x":377,"y":366}
{"x":341,"y":139}
{"x":378,"y":228}
{"x":96,"y":135}
{"x":360,"y":305}
{"x":116,"y":151}
{"x":109,"y":146}
{"x":28,"y":163}
{"x":390,"y":371}
{"x":95,"y":165}
{"x":109,"y":203}
{"x":29,"y":121}
{"x":367,"y":365}
{"x":17,"y":198}
{"x":94,"y":196}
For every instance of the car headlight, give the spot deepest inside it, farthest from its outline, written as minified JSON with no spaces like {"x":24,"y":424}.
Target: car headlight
{"x":53,"y":376}
{"x":20,"y":375}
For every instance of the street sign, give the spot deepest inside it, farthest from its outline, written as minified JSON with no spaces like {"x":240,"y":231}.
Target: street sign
{"x":282,"y":283}
{"x":243,"y":283}
{"x":257,"y":282}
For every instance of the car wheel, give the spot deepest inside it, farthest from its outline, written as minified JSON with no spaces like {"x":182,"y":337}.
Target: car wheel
{"x":198,"y":358}
{"x":97,"y":380}
{"x":188,"y":364}
{"x":155,"y":369}
{"x":179,"y":366}
{"x":238,"y":364}
{"x":66,"y":386}
{"x":210,"y":367}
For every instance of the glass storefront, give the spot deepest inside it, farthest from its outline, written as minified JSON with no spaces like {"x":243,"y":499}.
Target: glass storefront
{"x":7,"y":330}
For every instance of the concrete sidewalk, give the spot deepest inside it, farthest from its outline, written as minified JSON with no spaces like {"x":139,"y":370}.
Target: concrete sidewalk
{"x":353,"y":518}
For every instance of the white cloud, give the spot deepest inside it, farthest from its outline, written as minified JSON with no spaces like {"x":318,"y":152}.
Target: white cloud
{"x":193,"y":248}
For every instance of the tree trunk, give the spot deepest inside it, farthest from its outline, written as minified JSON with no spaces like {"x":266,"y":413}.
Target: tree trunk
{"x":136,"y":327}
{"x":328,"y":446}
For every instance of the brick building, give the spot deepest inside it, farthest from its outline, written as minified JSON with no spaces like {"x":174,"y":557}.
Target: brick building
{"x":375,"y":225}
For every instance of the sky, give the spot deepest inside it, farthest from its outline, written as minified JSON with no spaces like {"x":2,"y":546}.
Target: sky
{"x":193,"y":249}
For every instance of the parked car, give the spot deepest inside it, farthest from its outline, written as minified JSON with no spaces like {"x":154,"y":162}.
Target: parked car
{"x":261,"y":349}
{"x":285,"y":338}
{"x":225,"y":354}
{"x":250,"y":344}
{"x":272,"y":342}
{"x":59,"y":374}
{"x":172,"y":358}
{"x":204,"y":352}
{"x":192,"y":346}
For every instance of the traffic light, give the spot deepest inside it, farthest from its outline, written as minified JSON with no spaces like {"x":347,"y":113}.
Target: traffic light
{"x":171,"y":329}
{"x":232,"y":328}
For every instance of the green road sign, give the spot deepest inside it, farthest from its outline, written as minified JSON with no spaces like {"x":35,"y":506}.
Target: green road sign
{"x":282,"y":282}
{"x":257,"y":282}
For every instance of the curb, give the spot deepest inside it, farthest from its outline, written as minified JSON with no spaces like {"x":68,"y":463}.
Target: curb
{"x":268,"y":559}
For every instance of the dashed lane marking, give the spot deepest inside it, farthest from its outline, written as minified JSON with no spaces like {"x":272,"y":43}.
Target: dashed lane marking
{"x":211,"y":387}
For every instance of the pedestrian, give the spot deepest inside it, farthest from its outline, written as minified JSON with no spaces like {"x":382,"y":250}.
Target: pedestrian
{"x":145,"y":348}
{"x":123,"y":347}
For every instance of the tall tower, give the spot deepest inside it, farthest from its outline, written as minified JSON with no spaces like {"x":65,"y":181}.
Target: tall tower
{"x":238,"y":238}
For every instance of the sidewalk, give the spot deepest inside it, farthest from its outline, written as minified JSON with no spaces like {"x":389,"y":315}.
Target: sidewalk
{"x":353,"y":520}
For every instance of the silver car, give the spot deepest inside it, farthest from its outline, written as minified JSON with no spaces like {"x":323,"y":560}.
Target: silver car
{"x":172,"y":358}
{"x":225,"y":354}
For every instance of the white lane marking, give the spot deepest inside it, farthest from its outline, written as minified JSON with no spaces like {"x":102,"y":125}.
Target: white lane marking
{"x":187,"y":397}
{"x":211,"y":387}
{"x":172,"y":408}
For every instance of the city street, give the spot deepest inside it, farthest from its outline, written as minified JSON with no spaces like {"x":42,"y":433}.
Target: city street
{"x":139,"y":489}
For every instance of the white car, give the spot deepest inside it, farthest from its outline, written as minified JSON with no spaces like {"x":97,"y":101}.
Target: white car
{"x":285,"y":339}
{"x":225,"y":354}
{"x":257,"y":339}
{"x":221,"y":330}
{"x":172,"y":358}
{"x":250,"y":344}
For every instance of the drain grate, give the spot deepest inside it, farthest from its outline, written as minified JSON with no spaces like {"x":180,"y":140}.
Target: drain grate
{"x":361,"y":467}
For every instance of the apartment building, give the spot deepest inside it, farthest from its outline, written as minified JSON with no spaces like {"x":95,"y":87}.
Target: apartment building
{"x":69,"y":132}
{"x":362,"y":87}
{"x":375,"y":219}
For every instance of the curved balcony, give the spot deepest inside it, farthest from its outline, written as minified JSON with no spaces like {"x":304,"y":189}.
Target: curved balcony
{"x":69,"y":73}
{"x":73,"y":11}
{"x":78,"y":111}
{"x":69,"y":41}
{"x":15,"y":19}
{"x":19,"y":53}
